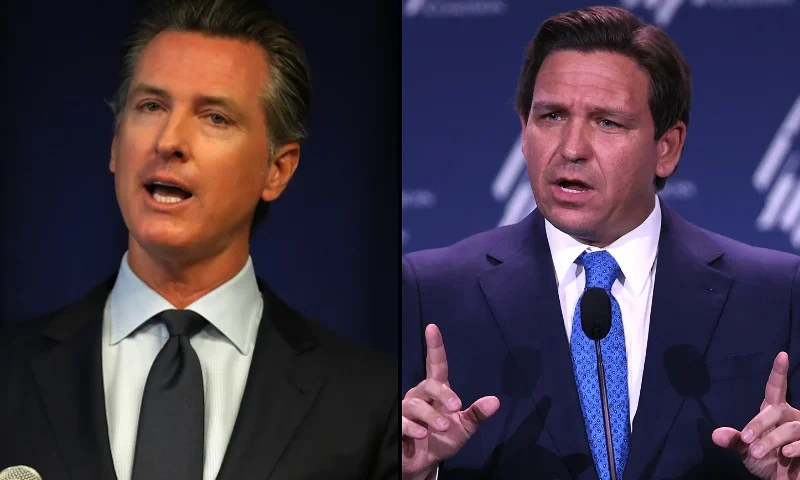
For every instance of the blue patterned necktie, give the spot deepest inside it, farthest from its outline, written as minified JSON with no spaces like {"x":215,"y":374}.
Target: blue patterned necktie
{"x":601,"y":271}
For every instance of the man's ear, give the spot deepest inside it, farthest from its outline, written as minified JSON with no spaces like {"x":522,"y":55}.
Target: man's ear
{"x":280,"y":171}
{"x":669,"y":147}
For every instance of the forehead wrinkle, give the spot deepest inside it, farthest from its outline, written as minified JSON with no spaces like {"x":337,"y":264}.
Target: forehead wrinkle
{"x":580,"y":87}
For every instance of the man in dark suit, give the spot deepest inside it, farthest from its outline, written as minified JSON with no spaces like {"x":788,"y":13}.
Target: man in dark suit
{"x":184,"y":365}
{"x":696,"y":363}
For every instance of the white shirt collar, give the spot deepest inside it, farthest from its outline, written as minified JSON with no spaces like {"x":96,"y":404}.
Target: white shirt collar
{"x":232,"y":308}
{"x":635,"y":252}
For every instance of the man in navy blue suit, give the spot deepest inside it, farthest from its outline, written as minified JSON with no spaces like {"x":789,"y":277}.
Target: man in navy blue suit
{"x":703,"y":351}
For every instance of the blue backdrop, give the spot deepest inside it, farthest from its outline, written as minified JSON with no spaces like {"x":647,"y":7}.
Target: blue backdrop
{"x":463,"y":171}
{"x":330,"y":245}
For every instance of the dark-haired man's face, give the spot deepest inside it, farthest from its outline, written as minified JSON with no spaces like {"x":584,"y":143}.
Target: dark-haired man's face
{"x":590,"y":148}
{"x":190,"y":159}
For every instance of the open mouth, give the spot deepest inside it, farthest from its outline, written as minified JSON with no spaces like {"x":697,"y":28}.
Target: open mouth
{"x":573,"y":186}
{"x":167,"y":192}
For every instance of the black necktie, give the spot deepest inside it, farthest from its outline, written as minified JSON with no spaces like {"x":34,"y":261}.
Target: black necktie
{"x":169,"y":444}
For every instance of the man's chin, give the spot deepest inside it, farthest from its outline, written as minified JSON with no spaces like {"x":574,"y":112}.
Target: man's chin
{"x":163,"y":238}
{"x":576,"y":223}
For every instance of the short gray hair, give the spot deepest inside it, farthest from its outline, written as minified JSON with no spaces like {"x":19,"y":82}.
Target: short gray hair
{"x":287,"y":95}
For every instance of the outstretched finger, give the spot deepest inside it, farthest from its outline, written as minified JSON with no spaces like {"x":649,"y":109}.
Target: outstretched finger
{"x":436,"y":359}
{"x":775,"y":392}
{"x":478,"y":412}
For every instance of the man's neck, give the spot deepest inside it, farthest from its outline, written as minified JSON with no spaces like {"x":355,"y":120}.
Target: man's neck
{"x":182,"y":281}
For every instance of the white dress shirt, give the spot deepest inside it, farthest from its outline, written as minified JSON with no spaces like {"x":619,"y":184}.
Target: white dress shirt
{"x":224,"y":348}
{"x":635,"y":253}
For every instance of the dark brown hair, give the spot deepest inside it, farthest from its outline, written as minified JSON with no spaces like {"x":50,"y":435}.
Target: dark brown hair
{"x":613,"y":29}
{"x":286,"y":96}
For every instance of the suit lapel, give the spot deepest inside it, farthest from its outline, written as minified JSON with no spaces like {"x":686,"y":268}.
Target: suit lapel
{"x":70,"y":379}
{"x":522,"y":294}
{"x":687,"y":302}
{"x":282,"y":384}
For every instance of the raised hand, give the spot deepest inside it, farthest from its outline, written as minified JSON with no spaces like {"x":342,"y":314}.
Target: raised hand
{"x":770,"y":444}
{"x":434,"y":426}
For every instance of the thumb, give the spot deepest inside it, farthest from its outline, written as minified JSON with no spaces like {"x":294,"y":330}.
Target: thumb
{"x":729,"y":438}
{"x":478,"y":412}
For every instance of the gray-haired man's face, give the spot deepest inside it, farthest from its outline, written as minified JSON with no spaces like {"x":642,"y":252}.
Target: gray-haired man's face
{"x":195,"y":119}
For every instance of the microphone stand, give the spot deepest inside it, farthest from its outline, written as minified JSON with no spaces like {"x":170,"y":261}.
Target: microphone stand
{"x":612,"y":467}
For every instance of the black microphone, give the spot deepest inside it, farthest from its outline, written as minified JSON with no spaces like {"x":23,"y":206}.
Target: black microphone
{"x":596,"y":323}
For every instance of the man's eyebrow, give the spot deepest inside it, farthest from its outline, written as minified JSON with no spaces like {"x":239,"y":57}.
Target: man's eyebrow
{"x":220,"y":101}
{"x":547,"y":106}
{"x":613,"y":112}
{"x":205,"y":100}
{"x":147,"y":89}
{"x":226,"y":103}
